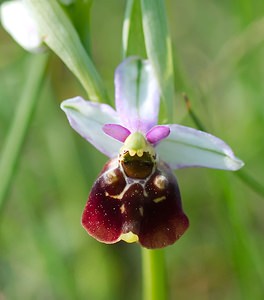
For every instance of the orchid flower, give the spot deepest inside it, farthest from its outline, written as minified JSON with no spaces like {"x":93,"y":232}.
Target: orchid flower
{"x":17,"y":20}
{"x":136,"y":196}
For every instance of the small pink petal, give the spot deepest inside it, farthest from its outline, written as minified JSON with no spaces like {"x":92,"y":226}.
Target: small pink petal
{"x":157,"y":133}
{"x":116,"y":131}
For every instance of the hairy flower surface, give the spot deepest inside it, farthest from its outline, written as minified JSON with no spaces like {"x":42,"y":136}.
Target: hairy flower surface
{"x":136,"y":196}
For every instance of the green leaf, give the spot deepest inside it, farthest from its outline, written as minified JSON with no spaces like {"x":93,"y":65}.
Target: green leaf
{"x":159,"y":50}
{"x":133,"y":36}
{"x":79,"y":12}
{"x":60,"y":35}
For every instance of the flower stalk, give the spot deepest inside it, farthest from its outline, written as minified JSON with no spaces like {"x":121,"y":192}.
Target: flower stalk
{"x":154,"y":275}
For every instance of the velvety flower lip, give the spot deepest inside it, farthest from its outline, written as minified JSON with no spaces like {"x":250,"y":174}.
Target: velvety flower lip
{"x":151,"y":215}
{"x":137,"y":107}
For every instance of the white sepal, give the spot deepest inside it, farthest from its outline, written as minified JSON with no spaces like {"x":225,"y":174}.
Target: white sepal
{"x":187,"y":147}
{"x":137,"y":94}
{"x":88,"y":119}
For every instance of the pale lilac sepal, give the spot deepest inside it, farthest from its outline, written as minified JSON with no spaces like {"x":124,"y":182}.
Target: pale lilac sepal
{"x":157,"y":133}
{"x":88,"y":118}
{"x":116,"y":131}
{"x":17,"y":20}
{"x":137,"y":94}
{"x":188,"y":147}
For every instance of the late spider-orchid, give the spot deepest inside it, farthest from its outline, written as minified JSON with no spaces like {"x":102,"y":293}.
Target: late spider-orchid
{"x":136,"y":196}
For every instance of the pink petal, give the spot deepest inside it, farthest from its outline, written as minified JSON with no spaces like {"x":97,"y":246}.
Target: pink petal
{"x":157,"y":133}
{"x":116,"y":131}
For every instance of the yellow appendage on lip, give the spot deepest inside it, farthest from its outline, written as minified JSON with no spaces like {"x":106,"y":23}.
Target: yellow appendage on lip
{"x":129,"y":237}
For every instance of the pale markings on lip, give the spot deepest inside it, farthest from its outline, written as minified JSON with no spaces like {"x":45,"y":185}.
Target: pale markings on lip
{"x":122,"y":208}
{"x":160,"y":182}
{"x":110,"y":177}
{"x":119,"y":197}
{"x":141,"y":210}
{"x":159,"y":199}
{"x":145,"y":192}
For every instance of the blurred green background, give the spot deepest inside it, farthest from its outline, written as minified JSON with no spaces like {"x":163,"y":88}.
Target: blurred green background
{"x":45,"y":253}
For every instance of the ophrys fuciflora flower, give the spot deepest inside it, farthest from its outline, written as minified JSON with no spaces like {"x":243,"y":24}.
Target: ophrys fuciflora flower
{"x":136,"y":196}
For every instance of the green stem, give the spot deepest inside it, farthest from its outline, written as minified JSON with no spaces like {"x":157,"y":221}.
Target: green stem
{"x":154,"y":275}
{"x":192,"y":114}
{"x":20,"y":124}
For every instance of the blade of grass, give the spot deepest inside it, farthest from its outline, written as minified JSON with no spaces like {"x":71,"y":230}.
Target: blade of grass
{"x":192,"y":114}
{"x":20,"y":124}
{"x":81,"y":18}
{"x":251,"y":182}
{"x":133,"y":36}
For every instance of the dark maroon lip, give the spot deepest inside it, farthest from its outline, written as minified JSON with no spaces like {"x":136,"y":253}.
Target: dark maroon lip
{"x":150,"y":208}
